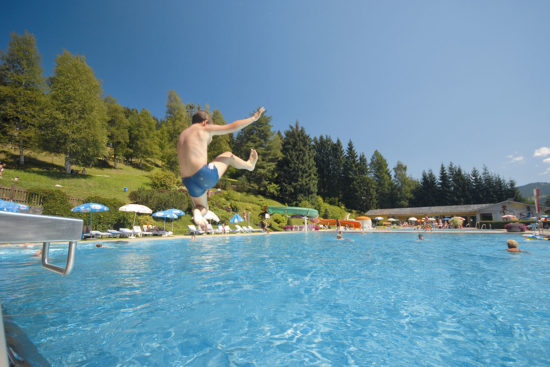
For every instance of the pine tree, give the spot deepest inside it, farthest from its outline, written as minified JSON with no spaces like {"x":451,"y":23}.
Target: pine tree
{"x":323,"y":157}
{"x":336,"y":179}
{"x":404,"y":186}
{"x":426,"y":193}
{"x":476,"y":184}
{"x":76,"y":123}
{"x":297,"y":174}
{"x":22,"y":97}
{"x":488,"y":192}
{"x":350,"y":175}
{"x":382,"y":176}
{"x":260,"y":136}
{"x":444,"y":196}
{"x":220,"y":143}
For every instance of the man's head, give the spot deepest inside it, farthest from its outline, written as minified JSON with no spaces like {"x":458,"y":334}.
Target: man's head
{"x":200,"y":116}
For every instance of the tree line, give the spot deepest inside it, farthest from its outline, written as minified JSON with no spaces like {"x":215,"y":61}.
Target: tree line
{"x":67,"y":113}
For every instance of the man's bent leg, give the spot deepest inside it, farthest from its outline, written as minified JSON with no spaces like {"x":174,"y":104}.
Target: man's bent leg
{"x":227,"y":159}
{"x":200,"y":209}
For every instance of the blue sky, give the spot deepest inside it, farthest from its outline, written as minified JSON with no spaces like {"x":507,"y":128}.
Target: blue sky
{"x":424,"y":82}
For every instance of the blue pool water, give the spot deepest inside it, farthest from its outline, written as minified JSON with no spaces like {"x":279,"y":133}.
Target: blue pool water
{"x":288,"y":300}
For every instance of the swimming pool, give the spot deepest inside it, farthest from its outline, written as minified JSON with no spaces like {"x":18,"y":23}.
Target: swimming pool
{"x":288,"y":300}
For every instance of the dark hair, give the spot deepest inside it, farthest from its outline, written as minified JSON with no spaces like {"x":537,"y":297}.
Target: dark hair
{"x":201,"y":116}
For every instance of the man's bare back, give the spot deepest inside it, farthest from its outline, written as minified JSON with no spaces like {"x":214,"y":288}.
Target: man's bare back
{"x":193,"y":149}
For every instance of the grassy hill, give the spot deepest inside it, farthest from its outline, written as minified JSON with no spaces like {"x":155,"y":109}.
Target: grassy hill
{"x":46,"y":171}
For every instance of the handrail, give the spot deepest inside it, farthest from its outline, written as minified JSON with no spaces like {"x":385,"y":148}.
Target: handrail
{"x":31,"y":228}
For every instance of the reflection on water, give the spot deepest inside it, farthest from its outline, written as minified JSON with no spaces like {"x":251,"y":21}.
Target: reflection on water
{"x":293,"y":299}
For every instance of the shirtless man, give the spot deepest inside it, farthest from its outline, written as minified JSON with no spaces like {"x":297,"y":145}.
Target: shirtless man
{"x":197,"y":175}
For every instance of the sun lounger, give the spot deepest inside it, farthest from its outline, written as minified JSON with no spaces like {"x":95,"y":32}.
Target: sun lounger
{"x":254,"y":229}
{"x":194,"y":230}
{"x":209,"y":229}
{"x":99,"y":234}
{"x":87,"y":236}
{"x":146,"y":232}
{"x":240,"y":229}
{"x":139,"y":232}
{"x":125,"y":232}
{"x":114,"y":233}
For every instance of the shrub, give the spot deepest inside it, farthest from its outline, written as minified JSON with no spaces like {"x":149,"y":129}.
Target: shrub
{"x":515,"y":227}
{"x":455,"y":222}
{"x":54,"y":202}
{"x":160,"y":200}
{"x":277,"y":222}
{"x":163,"y":180}
{"x":499,"y":224}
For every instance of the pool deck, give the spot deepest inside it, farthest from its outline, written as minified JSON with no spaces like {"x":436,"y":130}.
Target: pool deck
{"x":198,"y":237}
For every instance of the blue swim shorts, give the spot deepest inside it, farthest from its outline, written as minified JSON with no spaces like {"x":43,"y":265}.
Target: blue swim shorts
{"x":201,"y":181}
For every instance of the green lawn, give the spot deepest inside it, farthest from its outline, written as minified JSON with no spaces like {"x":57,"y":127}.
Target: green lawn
{"x":46,"y":171}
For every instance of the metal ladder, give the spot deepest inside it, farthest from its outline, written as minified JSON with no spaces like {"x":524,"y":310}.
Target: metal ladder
{"x":29,"y":228}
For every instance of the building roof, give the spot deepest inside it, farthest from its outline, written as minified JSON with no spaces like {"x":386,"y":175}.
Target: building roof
{"x":430,"y":210}
{"x":471,"y":209}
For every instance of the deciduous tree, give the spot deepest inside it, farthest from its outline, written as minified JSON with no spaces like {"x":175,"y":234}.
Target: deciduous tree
{"x":76,"y":123}
{"x":21,"y":92}
{"x":117,"y":130}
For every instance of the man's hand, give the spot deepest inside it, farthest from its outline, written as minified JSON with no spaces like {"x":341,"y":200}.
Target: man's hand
{"x":258,"y":113}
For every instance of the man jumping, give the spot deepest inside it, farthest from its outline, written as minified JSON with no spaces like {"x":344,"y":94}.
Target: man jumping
{"x":197,"y":175}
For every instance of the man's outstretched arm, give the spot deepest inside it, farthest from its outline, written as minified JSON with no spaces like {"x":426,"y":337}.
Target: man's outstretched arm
{"x":236,"y":125}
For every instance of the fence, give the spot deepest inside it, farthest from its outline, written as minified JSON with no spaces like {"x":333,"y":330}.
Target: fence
{"x":23,"y":196}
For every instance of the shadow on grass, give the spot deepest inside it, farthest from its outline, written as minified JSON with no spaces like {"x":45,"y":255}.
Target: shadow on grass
{"x":30,"y":162}
{"x":59,"y":174}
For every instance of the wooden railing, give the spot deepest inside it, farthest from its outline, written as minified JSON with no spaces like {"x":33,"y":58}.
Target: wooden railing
{"x":23,"y":196}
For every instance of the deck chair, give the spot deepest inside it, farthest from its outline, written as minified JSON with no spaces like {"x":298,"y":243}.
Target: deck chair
{"x":114,"y":233}
{"x":99,"y":234}
{"x":125,"y":232}
{"x":146,"y":231}
{"x":194,"y":230}
{"x":209,"y":229}
{"x":240,"y":229}
{"x":254,"y":229}
{"x":140,"y":233}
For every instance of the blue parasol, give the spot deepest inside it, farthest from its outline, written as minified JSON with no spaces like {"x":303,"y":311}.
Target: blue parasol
{"x":10,"y":206}
{"x":166,"y":214}
{"x":236,"y":219}
{"x":90,"y":208}
{"x":177,"y":212}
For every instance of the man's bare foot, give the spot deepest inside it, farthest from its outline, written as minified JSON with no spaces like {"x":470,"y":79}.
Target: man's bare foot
{"x":253,"y":159}
{"x":199,"y":220}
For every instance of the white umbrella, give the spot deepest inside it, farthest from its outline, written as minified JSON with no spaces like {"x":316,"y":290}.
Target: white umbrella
{"x":392,"y":220}
{"x":379,"y":218}
{"x":211,"y":216}
{"x":413,"y":219}
{"x":135,"y":208}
